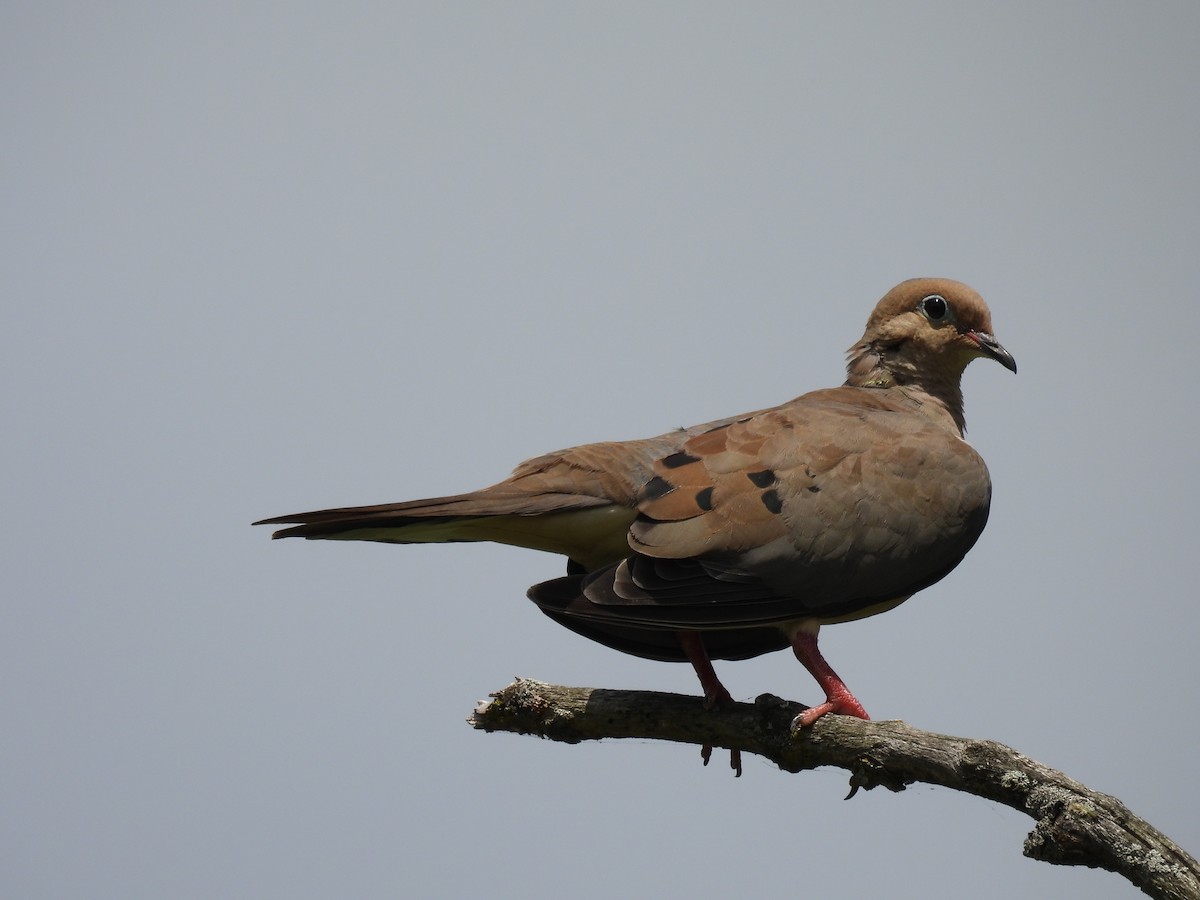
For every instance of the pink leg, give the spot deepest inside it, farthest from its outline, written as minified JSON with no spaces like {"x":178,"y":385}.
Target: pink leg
{"x":715,"y":693}
{"x":838,"y":698}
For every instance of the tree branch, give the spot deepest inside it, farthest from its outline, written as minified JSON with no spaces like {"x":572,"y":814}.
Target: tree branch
{"x":1075,"y":825}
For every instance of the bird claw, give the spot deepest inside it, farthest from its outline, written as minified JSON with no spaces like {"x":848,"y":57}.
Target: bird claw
{"x":718,"y":699}
{"x":840,"y":705}
{"x":713,"y":700}
{"x":735,"y":758}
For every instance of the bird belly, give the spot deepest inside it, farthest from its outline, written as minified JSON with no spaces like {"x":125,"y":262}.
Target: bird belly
{"x":865,"y":611}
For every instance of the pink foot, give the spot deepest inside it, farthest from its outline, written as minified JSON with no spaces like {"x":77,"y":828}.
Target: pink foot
{"x":842,"y":706}
{"x":838,"y":699}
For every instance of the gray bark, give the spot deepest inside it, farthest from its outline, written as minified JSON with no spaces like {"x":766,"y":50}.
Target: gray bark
{"x":1075,"y":825}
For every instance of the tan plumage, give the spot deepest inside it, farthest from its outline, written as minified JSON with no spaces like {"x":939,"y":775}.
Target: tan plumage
{"x":744,"y":535}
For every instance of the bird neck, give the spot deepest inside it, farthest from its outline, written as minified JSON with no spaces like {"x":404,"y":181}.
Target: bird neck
{"x":926,"y":381}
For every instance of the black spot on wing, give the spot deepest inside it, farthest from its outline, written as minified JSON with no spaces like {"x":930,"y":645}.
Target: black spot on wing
{"x":656,"y":488}
{"x":763,"y":479}
{"x":681,"y":458}
{"x":771,"y":501}
{"x":704,"y":499}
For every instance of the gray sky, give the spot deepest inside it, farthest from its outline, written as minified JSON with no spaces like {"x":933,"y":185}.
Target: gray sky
{"x":260,"y":258}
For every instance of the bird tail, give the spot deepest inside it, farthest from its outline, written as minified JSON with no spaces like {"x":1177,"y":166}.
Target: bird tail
{"x":582,"y":527}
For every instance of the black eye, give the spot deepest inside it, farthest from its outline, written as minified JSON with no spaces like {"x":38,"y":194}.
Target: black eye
{"x":935,"y":307}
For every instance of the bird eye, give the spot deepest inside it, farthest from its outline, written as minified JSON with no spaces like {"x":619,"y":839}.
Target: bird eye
{"x":935,"y":307}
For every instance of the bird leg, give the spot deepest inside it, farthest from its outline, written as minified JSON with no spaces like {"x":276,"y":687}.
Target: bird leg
{"x":838,"y":698}
{"x":715,"y":693}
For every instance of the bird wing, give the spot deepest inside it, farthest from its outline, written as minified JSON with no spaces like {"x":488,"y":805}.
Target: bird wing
{"x":838,"y":504}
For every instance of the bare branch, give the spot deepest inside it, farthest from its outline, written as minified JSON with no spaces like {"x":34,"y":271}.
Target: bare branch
{"x":1075,"y":825}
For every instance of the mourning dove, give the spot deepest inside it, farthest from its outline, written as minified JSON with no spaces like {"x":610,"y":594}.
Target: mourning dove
{"x":745,"y":535}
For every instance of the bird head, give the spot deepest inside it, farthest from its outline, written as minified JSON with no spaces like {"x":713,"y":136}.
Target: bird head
{"x":922,"y":334}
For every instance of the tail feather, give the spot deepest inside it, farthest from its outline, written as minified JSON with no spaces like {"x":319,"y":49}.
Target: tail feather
{"x":589,"y":529}
{"x":327,"y":522}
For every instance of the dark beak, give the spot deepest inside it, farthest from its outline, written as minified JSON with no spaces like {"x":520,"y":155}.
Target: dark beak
{"x":990,"y":347}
